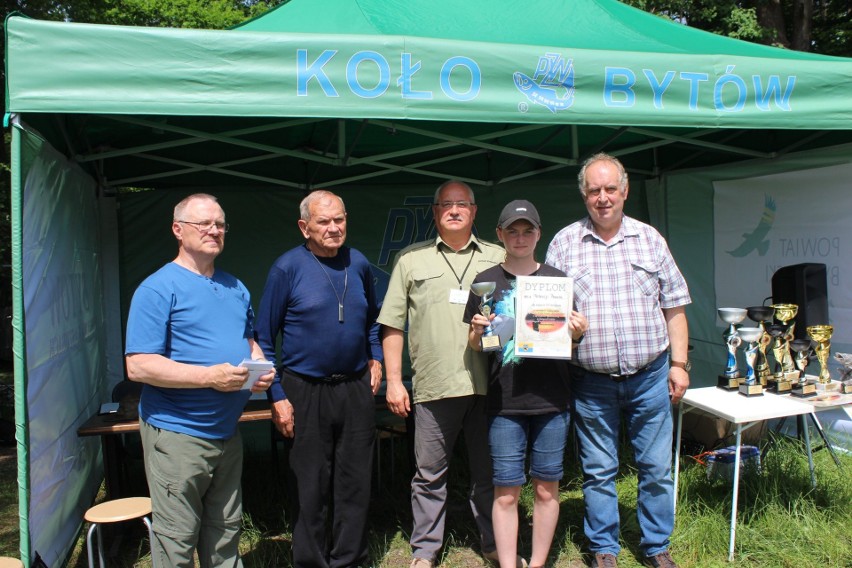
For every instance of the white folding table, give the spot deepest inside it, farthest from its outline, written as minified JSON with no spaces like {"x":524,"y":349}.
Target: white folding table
{"x":744,"y":412}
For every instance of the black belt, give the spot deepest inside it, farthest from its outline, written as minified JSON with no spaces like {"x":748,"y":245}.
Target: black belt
{"x":334,"y":379}
{"x":616,"y":378}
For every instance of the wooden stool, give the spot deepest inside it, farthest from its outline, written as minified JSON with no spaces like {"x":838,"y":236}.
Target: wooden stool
{"x":115,"y":511}
{"x":6,"y":562}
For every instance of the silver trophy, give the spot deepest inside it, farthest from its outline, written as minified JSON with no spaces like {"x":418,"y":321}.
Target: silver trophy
{"x":489,"y":341}
{"x":732,"y":378}
{"x":751,"y":385}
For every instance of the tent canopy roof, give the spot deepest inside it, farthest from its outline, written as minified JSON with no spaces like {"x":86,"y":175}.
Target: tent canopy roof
{"x":322,"y":94}
{"x":600,"y":25}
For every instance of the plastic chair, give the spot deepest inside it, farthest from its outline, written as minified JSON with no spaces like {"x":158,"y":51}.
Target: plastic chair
{"x":115,"y":511}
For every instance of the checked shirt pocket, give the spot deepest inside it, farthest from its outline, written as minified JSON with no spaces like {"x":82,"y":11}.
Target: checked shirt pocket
{"x":646,"y":278}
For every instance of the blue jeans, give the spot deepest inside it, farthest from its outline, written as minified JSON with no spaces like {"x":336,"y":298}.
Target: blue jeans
{"x":643,"y":401}
{"x":508,"y":437}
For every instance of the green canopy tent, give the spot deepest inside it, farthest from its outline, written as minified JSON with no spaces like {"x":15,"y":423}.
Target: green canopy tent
{"x":379,"y":100}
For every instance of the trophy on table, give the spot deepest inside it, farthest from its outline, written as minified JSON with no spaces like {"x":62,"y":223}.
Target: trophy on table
{"x":762,"y":315}
{"x":845,"y":380}
{"x":802,"y":349}
{"x":750,"y":386}
{"x":784,"y":378}
{"x":732,"y":378}
{"x":489,"y":341}
{"x":821,"y":334}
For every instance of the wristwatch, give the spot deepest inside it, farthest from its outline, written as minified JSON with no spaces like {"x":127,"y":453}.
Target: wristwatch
{"x":685,"y":365}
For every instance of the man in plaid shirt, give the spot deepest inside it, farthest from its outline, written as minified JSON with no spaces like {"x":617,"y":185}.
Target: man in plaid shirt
{"x":630,"y":289}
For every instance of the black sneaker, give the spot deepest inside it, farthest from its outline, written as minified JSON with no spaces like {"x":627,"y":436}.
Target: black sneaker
{"x":604,"y":561}
{"x":661,"y":560}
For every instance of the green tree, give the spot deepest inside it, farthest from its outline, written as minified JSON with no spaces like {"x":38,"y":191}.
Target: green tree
{"x":205,"y":14}
{"x":202,"y":14}
{"x":820,"y":26}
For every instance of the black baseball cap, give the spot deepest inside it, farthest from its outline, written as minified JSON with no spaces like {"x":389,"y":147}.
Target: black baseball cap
{"x":517,"y":210}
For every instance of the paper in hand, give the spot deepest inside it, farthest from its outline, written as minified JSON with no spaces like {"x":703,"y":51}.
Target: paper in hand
{"x":256,"y":369}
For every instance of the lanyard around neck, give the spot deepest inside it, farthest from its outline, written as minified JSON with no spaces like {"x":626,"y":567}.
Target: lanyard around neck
{"x":459,"y":279}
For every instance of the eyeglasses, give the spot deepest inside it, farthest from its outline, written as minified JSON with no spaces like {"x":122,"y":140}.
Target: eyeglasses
{"x":207,"y":226}
{"x":459,"y":204}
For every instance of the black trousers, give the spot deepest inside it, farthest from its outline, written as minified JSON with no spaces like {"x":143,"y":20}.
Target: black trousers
{"x":331,"y":464}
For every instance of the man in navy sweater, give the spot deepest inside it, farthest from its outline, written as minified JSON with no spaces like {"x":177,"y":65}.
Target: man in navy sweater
{"x":320,"y":298}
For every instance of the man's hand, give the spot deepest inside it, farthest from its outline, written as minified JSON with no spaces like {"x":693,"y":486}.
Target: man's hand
{"x":263,"y":382}
{"x":227,"y":378}
{"x":397,"y":398}
{"x":283,"y":418}
{"x":678,"y":383}
{"x":375,"y":374}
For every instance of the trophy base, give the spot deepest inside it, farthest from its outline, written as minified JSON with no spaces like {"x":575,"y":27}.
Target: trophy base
{"x":831,"y":386}
{"x":729,"y":383}
{"x":490,"y":343}
{"x":804,"y":389}
{"x":751,"y":390}
{"x":779,"y":386}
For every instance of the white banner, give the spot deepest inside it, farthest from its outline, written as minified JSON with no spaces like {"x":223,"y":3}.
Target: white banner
{"x":764,"y":223}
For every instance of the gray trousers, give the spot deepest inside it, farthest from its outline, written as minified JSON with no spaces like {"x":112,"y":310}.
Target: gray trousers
{"x":437,"y":426}
{"x":196,"y":498}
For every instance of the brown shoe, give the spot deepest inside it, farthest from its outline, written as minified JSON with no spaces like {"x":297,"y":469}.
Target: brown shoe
{"x":421,"y":563}
{"x":661,"y":560}
{"x":604,"y":561}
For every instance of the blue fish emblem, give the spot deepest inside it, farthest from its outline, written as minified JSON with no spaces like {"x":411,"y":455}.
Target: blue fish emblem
{"x":546,"y":96}
{"x":756,"y":239}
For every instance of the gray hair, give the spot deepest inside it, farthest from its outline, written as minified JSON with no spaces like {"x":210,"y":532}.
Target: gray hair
{"x":453,"y":182}
{"x":602,"y":157}
{"x":314,"y":196}
{"x":180,"y":208}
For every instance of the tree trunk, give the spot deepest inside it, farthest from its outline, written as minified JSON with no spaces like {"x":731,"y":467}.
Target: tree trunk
{"x":770,"y":15}
{"x":803,"y":15}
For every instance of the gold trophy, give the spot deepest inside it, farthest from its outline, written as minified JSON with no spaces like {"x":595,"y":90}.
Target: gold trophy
{"x":750,"y":386}
{"x":489,"y":341}
{"x":821,"y":334}
{"x":762,"y":315}
{"x":802,"y":348}
{"x":732,"y":378}
{"x":785,"y":313}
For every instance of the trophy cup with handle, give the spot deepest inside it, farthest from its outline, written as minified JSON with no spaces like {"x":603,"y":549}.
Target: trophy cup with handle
{"x":802,"y":349}
{"x":784,"y":313}
{"x":762,"y":315}
{"x":732,"y":378}
{"x":775,"y":381}
{"x":489,"y":341}
{"x":750,"y":386}
{"x":821,"y":334}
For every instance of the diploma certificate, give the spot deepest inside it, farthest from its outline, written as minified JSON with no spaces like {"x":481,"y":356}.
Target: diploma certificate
{"x":542,"y":308}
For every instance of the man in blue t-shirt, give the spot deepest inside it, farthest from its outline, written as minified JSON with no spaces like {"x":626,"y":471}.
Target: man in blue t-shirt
{"x":320,"y":299}
{"x":188,"y":329}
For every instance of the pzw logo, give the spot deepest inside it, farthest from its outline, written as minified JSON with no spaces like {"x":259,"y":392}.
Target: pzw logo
{"x":551,"y":86}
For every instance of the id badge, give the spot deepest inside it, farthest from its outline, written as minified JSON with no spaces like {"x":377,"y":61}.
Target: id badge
{"x":458,"y":296}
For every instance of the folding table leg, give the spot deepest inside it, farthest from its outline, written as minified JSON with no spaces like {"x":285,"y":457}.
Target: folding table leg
{"x":735,"y":496}
{"x":825,"y":439}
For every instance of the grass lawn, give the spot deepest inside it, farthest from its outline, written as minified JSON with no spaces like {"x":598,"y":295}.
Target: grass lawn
{"x":783,"y":521}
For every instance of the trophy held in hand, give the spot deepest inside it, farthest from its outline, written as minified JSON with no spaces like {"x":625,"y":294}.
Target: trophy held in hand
{"x":489,"y":340}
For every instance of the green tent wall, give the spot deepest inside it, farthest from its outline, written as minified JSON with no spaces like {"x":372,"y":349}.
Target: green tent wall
{"x":379,"y":100}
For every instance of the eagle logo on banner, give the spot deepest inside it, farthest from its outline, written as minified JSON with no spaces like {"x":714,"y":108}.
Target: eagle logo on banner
{"x":757,"y":238}
{"x":551,"y":86}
